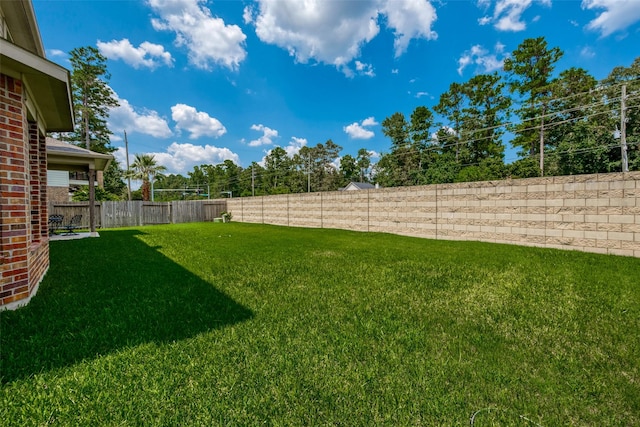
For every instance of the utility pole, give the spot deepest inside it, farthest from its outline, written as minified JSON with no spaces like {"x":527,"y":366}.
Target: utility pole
{"x":623,"y":129}
{"x":309,"y":174}
{"x":253,"y":183}
{"x":542,"y":142}
{"x":126,"y":150}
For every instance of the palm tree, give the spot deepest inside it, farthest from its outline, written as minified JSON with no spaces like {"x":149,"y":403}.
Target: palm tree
{"x":147,"y":169}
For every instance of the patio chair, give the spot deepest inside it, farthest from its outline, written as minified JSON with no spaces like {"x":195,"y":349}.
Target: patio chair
{"x":73,"y":224}
{"x":55,"y":222}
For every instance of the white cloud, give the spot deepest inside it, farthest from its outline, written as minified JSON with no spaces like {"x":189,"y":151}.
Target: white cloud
{"x":587,"y":52}
{"x":292,"y":149}
{"x":121,"y":157}
{"x":365,"y":69}
{"x":56,"y":53}
{"x":147,"y":122}
{"x":374,"y":154}
{"x":197,"y":123}
{"x":447,"y":129}
{"x":617,"y":16}
{"x":208,"y":39}
{"x":147,"y":55}
{"x":369,"y":121}
{"x":358,"y":130}
{"x":395,"y":71}
{"x":295,"y":145}
{"x":181,"y":158}
{"x":507,"y":14}
{"x":333,"y":32}
{"x":247,"y":15}
{"x":267,"y":137}
{"x":411,"y":19}
{"x":421,"y":94}
{"x":485,"y":61}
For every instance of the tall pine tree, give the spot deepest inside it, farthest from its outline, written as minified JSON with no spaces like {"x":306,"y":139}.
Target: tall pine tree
{"x":92,"y":99}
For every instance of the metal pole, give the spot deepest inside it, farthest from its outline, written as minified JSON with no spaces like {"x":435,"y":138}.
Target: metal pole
{"x":126,"y":150}
{"x":309,"y":174}
{"x":623,"y":129}
{"x":542,"y":143}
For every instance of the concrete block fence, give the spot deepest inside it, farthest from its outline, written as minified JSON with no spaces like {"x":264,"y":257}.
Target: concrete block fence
{"x":593,"y":213}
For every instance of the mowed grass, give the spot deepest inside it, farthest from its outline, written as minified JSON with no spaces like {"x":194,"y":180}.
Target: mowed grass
{"x":243,"y":324}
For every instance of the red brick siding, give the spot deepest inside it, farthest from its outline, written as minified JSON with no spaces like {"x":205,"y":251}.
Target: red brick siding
{"x":42,"y":168}
{"x":24,"y":248}
{"x":34,"y":181}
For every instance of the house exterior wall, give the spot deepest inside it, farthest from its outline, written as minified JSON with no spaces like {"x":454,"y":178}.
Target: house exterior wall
{"x":58,"y":194}
{"x":593,"y":213}
{"x":58,"y":186}
{"x":58,"y":179}
{"x":24,"y":249}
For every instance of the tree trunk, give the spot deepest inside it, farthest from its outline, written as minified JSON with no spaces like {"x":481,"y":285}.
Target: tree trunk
{"x":145,"y":191}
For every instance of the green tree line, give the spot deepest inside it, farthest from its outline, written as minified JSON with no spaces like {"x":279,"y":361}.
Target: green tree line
{"x":560,"y":124}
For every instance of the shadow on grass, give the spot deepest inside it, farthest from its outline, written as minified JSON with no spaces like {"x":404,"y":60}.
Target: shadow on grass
{"x":103,"y":295}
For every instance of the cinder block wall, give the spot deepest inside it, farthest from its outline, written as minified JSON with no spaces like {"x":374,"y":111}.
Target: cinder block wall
{"x":594,"y":213}
{"x":24,"y":249}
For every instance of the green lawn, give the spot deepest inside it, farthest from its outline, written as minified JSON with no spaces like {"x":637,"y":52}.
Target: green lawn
{"x":241,"y":324}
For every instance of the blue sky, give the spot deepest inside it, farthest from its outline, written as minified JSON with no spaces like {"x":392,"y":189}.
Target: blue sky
{"x":203,"y":81}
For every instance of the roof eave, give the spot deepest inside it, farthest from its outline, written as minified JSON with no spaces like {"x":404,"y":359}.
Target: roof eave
{"x":23,"y":25}
{"x":59,"y":160}
{"x":48,"y":83}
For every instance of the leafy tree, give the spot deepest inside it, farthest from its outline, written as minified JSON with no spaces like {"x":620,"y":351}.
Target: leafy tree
{"x":385,"y":171}
{"x":82,"y":195}
{"x":578,"y":136}
{"x":630,"y":77}
{"x":145,"y":168}
{"x":527,"y":167}
{"x":451,"y":106}
{"x":278,"y":167}
{"x":175,"y":182}
{"x":320,"y":162}
{"x":172,"y":181}
{"x":251,"y":180}
{"x":325,"y":170}
{"x":401,"y":166}
{"x":114,"y":181}
{"x":92,"y":99}
{"x":397,"y":129}
{"x":530,"y":68}
{"x":488,"y":108}
{"x":231,"y":176}
{"x":442,"y":168}
{"x":486,"y":169}
{"x":198,"y":176}
{"x":363,"y":161}
{"x":420,"y":133}
{"x":301,"y":178}
{"x":349,"y":170}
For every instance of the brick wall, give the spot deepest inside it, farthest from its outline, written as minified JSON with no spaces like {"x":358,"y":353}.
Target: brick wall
{"x":594,"y":213}
{"x":24,"y":250}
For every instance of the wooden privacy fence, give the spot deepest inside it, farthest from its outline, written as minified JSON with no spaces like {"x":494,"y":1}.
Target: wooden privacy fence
{"x":136,"y":213}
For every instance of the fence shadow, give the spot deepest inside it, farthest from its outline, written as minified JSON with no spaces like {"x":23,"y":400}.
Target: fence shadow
{"x":103,"y":295}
